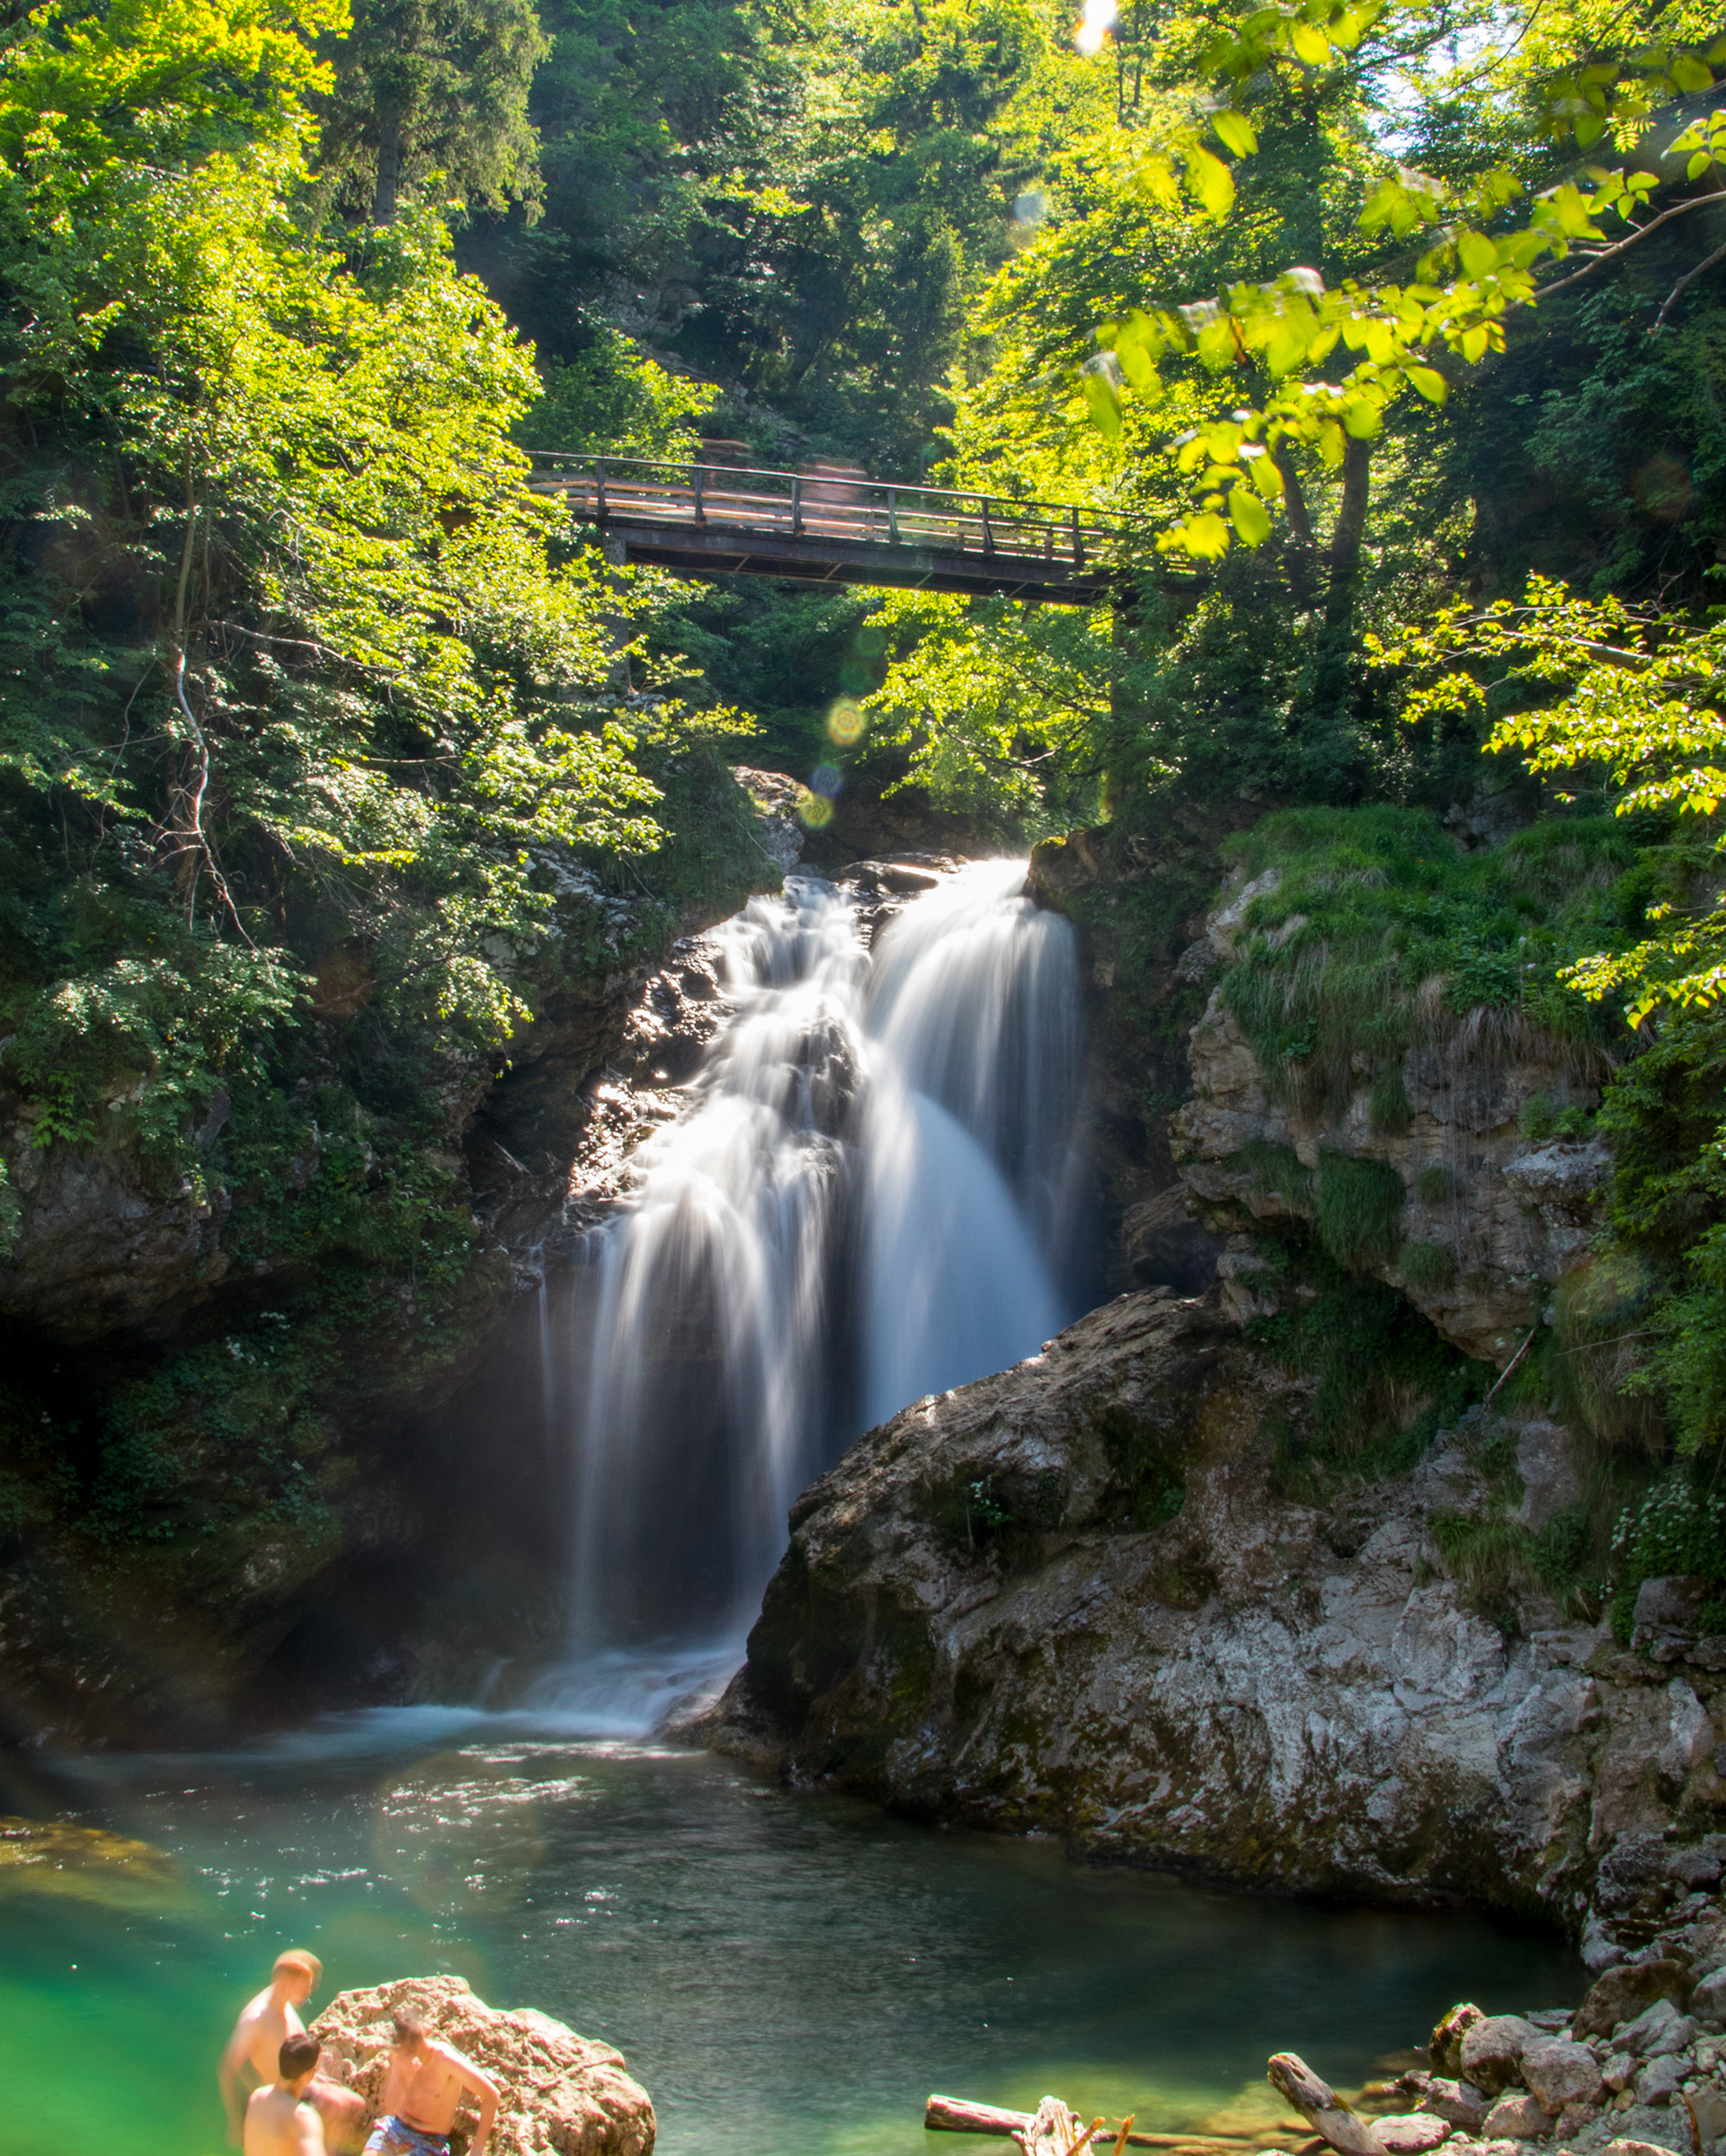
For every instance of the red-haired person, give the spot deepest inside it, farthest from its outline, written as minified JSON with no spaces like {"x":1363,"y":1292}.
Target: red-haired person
{"x":251,"y":2058}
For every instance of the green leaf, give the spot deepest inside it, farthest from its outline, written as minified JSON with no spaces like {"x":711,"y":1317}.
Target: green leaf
{"x":1310,"y":43}
{"x":1477,"y":253}
{"x":1236,"y":132}
{"x":1211,"y":183}
{"x":1429,"y":382}
{"x":1204,"y":536}
{"x":1692,"y":75}
{"x":1103,"y":402}
{"x":1249,"y":516}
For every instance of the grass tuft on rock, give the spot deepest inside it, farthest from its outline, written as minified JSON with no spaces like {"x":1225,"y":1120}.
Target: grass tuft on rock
{"x":1382,"y":932}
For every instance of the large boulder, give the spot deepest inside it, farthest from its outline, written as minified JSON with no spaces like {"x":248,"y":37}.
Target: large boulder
{"x":563,"y":2095}
{"x":1560,"y":2072}
{"x":1492,"y":2052}
{"x":1622,"y":1994}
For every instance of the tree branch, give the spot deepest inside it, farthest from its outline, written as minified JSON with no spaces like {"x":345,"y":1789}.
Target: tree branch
{"x":1689,"y":277}
{"x":1607,"y":255}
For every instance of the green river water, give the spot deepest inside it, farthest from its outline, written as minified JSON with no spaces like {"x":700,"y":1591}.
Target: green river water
{"x":784,"y":1973}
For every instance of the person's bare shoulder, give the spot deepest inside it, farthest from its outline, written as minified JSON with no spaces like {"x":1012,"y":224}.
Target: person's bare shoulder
{"x":458,"y":2063}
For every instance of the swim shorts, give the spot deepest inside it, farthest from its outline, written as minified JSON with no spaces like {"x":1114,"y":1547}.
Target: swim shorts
{"x":392,"y":2136}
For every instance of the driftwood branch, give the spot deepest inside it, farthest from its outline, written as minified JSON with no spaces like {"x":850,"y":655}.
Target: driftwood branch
{"x":955,"y":2114}
{"x":1320,"y":2107}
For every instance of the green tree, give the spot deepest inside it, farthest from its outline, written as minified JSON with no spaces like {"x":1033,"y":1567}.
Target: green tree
{"x":425,"y":86}
{"x":291,"y":654}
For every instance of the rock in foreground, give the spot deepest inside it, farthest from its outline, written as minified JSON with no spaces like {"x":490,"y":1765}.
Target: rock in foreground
{"x":562,"y":2093}
{"x":1073,"y":1597}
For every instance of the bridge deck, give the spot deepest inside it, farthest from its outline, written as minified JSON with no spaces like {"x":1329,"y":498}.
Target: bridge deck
{"x":716,"y":520}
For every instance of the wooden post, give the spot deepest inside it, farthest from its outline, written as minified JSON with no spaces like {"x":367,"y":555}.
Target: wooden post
{"x":797,"y":506}
{"x":1078,"y":544}
{"x":893,"y":516}
{"x":700,"y":513}
{"x":599,"y":468}
{"x":988,"y":535}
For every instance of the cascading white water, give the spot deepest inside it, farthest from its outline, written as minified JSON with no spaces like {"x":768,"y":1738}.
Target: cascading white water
{"x":868,"y":1200}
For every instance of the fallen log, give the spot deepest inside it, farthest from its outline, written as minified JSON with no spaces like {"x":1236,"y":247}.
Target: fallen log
{"x":1318,"y":2103}
{"x":954,"y":2114}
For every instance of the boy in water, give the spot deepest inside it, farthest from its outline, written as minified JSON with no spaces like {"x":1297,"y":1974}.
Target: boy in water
{"x":279,"y":2120}
{"x":265,"y":2026}
{"x":422,"y":2092}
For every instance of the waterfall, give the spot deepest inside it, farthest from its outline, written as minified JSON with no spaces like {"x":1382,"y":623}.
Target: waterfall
{"x":869,"y":1197}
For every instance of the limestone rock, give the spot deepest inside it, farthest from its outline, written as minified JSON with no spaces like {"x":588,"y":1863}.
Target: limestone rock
{"x":562,"y":2094}
{"x":1661,"y":2080}
{"x":1560,"y":2072}
{"x":1708,"y":2001}
{"x":1156,"y":1653}
{"x":1165,"y":1246}
{"x":1459,"y":2103}
{"x":1707,"y":2103}
{"x":1552,"y":1478}
{"x":1657,"y":2029}
{"x":1446,"y":2046}
{"x":1517,"y":2116}
{"x":1622,"y":1994}
{"x":1409,"y":2132}
{"x":1669,"y":1614}
{"x":1512,"y":1218}
{"x":1492,"y":2051}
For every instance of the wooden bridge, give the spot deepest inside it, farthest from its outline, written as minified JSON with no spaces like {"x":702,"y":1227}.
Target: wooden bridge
{"x":714,"y":519}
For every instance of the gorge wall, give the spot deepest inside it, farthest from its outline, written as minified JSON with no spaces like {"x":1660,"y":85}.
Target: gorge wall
{"x":1130,"y":1593}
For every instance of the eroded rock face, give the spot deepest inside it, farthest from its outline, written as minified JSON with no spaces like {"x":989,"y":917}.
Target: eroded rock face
{"x":1070,"y":1598}
{"x":562,"y":2093}
{"x":1511,"y":1217}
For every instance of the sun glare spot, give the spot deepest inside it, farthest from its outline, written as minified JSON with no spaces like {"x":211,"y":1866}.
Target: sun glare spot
{"x":1099,"y":18}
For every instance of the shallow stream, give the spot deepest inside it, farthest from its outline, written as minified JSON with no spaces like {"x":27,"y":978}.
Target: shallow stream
{"x":785,"y":1972}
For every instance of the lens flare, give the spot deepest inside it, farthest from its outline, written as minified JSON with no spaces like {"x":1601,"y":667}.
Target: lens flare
{"x":826,"y":778}
{"x":845,"y":722}
{"x":814,"y":811}
{"x":1099,"y":18}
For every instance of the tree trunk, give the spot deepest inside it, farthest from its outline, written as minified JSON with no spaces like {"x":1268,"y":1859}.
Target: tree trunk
{"x":390,"y":165}
{"x":1345,"y":541}
{"x":1300,"y":557}
{"x":1337,"y":637}
{"x":1318,"y":2103}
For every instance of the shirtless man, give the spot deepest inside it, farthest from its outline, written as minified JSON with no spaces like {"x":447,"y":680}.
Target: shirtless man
{"x":279,"y":2120}
{"x":265,"y":2026}
{"x":422,"y":2092}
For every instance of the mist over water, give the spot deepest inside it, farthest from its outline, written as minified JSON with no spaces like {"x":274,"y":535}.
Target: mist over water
{"x":872,"y":1196}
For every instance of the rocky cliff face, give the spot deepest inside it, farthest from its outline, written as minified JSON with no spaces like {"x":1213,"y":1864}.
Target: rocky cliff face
{"x":1488,"y":1221}
{"x":1070,"y":1599}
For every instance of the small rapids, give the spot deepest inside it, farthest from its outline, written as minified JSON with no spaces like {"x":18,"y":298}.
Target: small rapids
{"x":871,"y":1196}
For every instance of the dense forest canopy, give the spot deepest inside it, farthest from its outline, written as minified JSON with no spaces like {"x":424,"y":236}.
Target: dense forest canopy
{"x":1391,"y":338}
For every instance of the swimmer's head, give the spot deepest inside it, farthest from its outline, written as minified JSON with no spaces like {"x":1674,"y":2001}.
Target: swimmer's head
{"x":297,"y":2061}
{"x":409,"y":2029}
{"x":298,"y":1973}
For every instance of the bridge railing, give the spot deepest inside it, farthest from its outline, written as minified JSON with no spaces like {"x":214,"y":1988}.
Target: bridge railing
{"x":817,"y":506}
